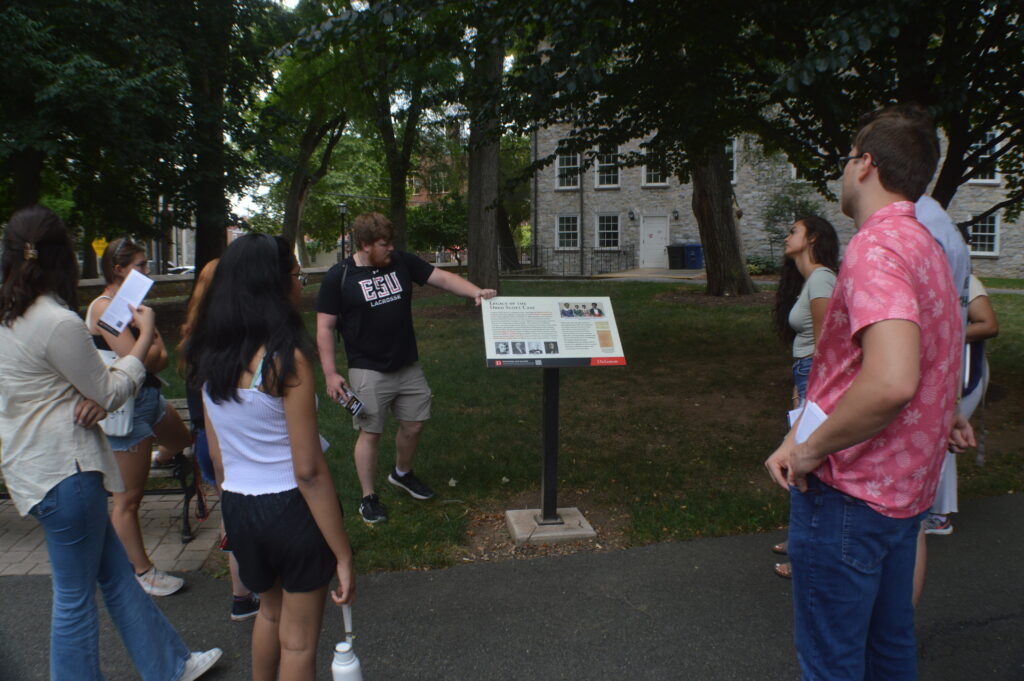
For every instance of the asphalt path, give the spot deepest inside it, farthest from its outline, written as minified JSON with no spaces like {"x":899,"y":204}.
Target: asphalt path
{"x":709,"y":609}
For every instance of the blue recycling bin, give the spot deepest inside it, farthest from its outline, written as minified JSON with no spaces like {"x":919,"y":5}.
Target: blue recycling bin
{"x":693,"y":256}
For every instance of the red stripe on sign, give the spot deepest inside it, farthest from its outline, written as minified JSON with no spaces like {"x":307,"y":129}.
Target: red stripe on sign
{"x":607,"y":361}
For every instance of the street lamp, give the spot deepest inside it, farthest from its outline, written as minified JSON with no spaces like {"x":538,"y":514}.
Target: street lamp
{"x":343,"y":210}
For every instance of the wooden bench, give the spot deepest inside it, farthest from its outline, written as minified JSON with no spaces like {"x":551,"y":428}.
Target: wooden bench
{"x":183,"y":471}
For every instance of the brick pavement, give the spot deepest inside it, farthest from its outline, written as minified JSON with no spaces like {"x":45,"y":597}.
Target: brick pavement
{"x":23,"y":544}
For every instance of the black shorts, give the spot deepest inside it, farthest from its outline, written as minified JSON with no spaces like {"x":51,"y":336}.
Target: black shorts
{"x":274,"y":536}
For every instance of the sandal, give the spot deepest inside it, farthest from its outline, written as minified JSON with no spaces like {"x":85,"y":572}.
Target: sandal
{"x":781,"y":548}
{"x":784,"y":570}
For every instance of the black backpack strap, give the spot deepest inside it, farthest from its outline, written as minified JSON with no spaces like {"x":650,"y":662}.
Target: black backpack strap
{"x":344,"y":275}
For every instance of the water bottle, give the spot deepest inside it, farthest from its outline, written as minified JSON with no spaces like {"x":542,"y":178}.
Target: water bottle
{"x":345,"y":666}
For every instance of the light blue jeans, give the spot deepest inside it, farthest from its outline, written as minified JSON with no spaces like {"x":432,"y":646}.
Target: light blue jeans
{"x":801,"y":372}
{"x":853,"y":574}
{"x":85,"y":551}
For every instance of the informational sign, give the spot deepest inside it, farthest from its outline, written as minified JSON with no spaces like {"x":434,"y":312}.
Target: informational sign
{"x":551,"y":332}
{"x":99,"y":244}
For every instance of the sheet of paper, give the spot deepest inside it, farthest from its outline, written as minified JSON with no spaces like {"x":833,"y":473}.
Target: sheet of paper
{"x":133,"y":291}
{"x":794,"y":414}
{"x":813,"y":417}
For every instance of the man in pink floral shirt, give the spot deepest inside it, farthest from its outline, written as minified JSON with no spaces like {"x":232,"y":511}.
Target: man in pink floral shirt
{"x":885,"y":374}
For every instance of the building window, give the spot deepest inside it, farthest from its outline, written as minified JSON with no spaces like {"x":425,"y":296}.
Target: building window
{"x":730,"y":159}
{"x":414,"y":184}
{"x":607,"y":169}
{"x":796,"y":174}
{"x":568,"y":235}
{"x":568,"y":167}
{"x":989,"y":175}
{"x":654,"y":176}
{"x":607,"y":231}
{"x":438,"y":183}
{"x":985,"y":236}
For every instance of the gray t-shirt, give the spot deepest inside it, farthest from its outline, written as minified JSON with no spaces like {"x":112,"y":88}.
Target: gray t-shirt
{"x":818,"y":285}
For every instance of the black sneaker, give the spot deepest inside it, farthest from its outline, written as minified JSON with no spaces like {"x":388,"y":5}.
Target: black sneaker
{"x":411,"y":484}
{"x":244,"y":607}
{"x":372,"y":510}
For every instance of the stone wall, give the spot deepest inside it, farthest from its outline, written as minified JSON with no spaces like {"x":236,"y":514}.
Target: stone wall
{"x":757,"y":179}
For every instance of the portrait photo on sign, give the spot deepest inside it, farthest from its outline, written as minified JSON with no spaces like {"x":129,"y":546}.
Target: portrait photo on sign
{"x":501,"y":348}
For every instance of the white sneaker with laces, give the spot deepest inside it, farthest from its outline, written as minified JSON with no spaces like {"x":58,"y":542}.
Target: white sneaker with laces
{"x":200,"y":663}
{"x":156,"y":582}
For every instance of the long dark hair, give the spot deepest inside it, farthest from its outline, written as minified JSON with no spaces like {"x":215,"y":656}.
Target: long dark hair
{"x":824,"y":242}
{"x":37,"y":258}
{"x":246,"y":307}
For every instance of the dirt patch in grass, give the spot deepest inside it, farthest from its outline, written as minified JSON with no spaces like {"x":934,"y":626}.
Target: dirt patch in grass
{"x":693,"y":296}
{"x":488,"y":538}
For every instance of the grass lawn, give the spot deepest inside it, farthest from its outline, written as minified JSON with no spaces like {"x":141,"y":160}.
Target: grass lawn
{"x":998,"y":282}
{"x":669,"y":447}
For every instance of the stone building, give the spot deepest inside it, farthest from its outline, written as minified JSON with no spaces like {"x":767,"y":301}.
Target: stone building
{"x":609,"y":218}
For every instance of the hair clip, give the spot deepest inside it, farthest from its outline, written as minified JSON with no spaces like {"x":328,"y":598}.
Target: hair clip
{"x":30,"y":251}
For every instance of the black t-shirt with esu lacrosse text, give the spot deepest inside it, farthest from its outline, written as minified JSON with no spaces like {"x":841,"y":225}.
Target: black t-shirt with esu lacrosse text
{"x":374,"y":310}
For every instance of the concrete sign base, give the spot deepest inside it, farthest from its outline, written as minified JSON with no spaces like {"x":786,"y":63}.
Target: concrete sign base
{"x":525,"y":528}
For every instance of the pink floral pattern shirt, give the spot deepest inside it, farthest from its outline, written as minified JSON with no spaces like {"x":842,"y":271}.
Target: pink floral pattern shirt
{"x":892,"y":269}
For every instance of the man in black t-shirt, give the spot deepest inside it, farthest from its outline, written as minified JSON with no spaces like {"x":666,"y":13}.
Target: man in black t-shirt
{"x":368,"y":299}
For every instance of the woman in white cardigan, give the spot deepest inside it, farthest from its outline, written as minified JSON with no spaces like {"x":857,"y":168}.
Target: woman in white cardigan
{"x":57,"y":464}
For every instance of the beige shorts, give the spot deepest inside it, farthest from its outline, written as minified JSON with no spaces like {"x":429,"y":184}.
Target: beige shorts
{"x":405,"y":392}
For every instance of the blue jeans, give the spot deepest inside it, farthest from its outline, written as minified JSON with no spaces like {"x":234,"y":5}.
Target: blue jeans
{"x":853,"y":574}
{"x":85,"y":551}
{"x":801,"y":372}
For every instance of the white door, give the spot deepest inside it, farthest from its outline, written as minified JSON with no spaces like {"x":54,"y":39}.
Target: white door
{"x":654,"y":242}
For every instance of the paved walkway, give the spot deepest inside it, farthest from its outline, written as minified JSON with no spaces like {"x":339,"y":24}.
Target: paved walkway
{"x":702,"y":610}
{"x":23,"y":545}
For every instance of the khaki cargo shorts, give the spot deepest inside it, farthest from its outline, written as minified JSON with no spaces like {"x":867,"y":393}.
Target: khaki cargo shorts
{"x":404,"y":392}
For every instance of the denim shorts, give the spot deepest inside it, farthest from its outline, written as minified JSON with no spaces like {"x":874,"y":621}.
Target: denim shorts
{"x":149,"y":409}
{"x":801,"y":372}
{"x":202,"y":449}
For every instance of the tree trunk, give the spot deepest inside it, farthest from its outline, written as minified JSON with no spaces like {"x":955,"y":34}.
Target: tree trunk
{"x":211,"y":199}
{"x":723,"y":251}
{"x":507,"y":244}
{"x":89,"y":268}
{"x":302,"y":180}
{"x":207,"y":57}
{"x":398,"y":154}
{"x":291,"y":228}
{"x":397,"y":204}
{"x":27,"y":165}
{"x":484,"y":168}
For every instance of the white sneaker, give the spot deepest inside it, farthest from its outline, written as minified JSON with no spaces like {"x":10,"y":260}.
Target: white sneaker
{"x":156,"y":582}
{"x":200,"y":663}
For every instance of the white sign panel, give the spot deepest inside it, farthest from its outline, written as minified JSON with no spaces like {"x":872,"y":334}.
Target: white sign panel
{"x":551,"y":332}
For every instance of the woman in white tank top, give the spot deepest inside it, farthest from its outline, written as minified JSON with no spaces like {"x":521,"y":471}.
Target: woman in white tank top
{"x":250,"y":355}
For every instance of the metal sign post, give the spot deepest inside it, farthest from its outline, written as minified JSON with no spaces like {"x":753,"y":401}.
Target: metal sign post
{"x":549,"y":479}
{"x":549,"y":333}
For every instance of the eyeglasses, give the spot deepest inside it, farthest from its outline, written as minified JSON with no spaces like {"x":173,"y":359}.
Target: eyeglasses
{"x":843,"y":160}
